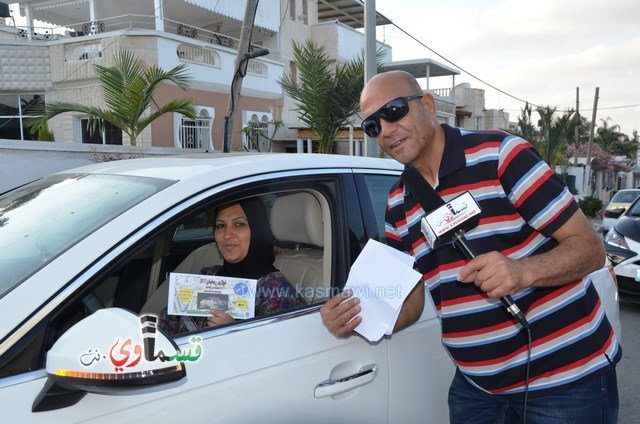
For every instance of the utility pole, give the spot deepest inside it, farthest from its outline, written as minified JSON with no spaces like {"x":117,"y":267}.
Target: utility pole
{"x":576,"y":135}
{"x":593,"y":126}
{"x":370,"y":62}
{"x":240,"y":67}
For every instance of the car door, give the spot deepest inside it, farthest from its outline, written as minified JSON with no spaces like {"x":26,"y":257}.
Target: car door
{"x":282,"y":368}
{"x":420,"y":369}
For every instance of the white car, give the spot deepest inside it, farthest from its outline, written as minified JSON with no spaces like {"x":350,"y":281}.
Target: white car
{"x":622,"y":243}
{"x":84,"y":256}
{"x":617,"y":206}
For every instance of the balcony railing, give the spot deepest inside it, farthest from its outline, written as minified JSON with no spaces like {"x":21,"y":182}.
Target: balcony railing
{"x":125,"y":23}
{"x":442,"y":92}
{"x":31,"y":33}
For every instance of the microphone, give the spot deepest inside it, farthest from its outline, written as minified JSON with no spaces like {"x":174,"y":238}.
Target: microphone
{"x":449,"y":221}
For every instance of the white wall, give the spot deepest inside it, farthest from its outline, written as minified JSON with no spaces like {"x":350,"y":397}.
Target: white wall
{"x":25,"y":161}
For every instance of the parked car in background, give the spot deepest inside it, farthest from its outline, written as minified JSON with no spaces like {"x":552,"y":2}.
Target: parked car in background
{"x":616,"y":207}
{"x":84,"y":257}
{"x":622,"y":244}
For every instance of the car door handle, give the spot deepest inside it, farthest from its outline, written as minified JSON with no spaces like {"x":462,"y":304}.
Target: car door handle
{"x":330,"y":387}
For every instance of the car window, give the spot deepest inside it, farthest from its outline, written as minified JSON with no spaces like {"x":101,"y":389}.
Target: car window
{"x":378,"y":187}
{"x":634,"y":209}
{"x":302,"y":214}
{"x":294,"y":223}
{"x":625,"y":196}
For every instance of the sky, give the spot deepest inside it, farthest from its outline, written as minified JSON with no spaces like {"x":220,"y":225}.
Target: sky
{"x":534,"y":50}
{"x":537,"y":51}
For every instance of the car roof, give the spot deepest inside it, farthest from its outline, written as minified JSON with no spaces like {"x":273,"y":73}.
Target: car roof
{"x":195,"y":172}
{"x":195,"y":165}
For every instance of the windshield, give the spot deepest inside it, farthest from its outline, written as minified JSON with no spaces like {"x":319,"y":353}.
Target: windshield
{"x":625,"y":196}
{"x":634,"y":209}
{"x":41,"y":220}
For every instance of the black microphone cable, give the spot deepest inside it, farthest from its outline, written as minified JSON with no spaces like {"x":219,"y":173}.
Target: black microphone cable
{"x":430,"y":201}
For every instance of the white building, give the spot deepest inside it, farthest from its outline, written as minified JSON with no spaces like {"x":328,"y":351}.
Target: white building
{"x":44,"y":61}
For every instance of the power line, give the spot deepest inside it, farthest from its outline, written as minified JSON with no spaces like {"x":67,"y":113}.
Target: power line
{"x":493,"y":86}
{"x":461,"y":68}
{"x":619,"y":107}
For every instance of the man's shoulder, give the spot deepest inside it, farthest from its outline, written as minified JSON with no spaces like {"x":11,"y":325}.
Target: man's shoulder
{"x":487,"y":140}
{"x":485,"y":135}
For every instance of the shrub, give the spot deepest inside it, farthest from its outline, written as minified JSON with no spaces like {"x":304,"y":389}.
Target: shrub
{"x":590,"y":206}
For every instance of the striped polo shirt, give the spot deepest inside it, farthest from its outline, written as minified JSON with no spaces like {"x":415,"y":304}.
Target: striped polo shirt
{"x":523,"y":203}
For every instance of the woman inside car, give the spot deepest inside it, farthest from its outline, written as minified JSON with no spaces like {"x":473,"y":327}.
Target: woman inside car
{"x":245,"y":241}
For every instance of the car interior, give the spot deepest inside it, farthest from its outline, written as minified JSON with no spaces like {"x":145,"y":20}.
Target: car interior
{"x":297,"y":224}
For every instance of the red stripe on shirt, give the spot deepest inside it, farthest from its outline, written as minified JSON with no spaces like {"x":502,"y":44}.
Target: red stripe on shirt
{"x":573,"y":365}
{"x":483,"y":146}
{"x":529,"y":191}
{"x":499,"y":219}
{"x":543,"y":226}
{"x":512,"y":154}
{"x":469,"y":187}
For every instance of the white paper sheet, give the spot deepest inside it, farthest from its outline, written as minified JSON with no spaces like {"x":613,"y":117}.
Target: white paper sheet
{"x":382,"y":278}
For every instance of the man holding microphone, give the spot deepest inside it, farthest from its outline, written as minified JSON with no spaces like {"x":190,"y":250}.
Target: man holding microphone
{"x":533,"y":244}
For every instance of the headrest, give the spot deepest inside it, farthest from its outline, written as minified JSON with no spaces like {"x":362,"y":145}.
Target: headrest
{"x":298,"y":218}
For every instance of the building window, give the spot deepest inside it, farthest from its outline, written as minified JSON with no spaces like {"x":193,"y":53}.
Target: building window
{"x":196,"y":134}
{"x":110,"y":134}
{"x":15,"y":110}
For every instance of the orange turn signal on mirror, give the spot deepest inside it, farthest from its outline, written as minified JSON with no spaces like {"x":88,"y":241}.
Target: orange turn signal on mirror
{"x":119,"y":376}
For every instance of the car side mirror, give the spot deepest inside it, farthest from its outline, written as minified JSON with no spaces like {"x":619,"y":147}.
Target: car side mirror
{"x":110,"y":351}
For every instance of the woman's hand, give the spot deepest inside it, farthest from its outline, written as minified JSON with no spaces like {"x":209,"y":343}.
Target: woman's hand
{"x":219,"y":318}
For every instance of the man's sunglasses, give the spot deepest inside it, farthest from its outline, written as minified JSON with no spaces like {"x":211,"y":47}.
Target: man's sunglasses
{"x":393,"y":111}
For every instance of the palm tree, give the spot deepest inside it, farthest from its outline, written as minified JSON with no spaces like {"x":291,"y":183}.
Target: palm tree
{"x":555,"y":135}
{"x":614,"y":141}
{"x":545,"y":123}
{"x":128,"y":88}
{"x":327,"y":96}
{"x":526,"y":129}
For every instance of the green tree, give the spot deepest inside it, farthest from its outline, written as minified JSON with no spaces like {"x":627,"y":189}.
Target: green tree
{"x":128,"y":88}
{"x":556,"y":133}
{"x":611,"y":139}
{"x":45,"y":134}
{"x":526,"y":129}
{"x":327,"y":94}
{"x":545,"y":124}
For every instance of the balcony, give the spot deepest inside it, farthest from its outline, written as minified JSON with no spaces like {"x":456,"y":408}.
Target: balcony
{"x":66,"y":51}
{"x":124,"y":23}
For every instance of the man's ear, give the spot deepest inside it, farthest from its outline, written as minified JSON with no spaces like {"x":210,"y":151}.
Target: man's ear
{"x":429,"y":102}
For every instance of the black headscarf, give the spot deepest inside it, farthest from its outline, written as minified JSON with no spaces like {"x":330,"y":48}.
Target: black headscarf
{"x":260,"y":257}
